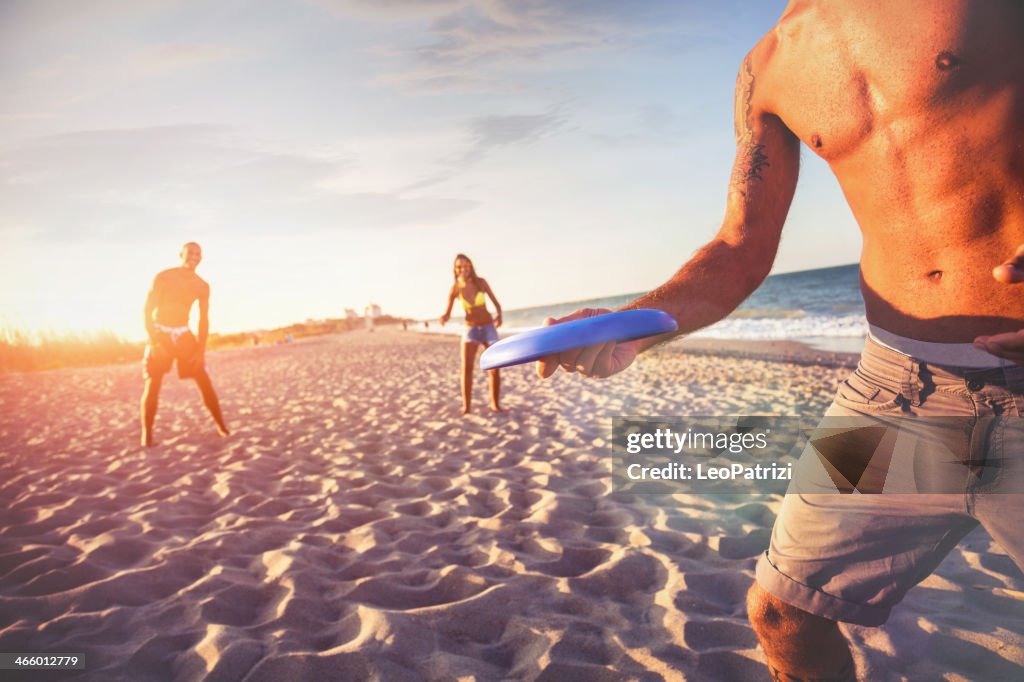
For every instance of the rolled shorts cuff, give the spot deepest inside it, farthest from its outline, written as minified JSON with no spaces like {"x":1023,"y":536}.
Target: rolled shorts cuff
{"x":814,"y":601}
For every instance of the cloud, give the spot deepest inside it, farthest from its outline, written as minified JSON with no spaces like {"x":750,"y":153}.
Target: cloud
{"x":55,"y":57}
{"x":470,"y":44}
{"x":488,"y":132}
{"x":173,"y":56}
{"x":484,"y":134}
{"x":34,"y":16}
{"x":385,"y":9}
{"x":125,"y":185}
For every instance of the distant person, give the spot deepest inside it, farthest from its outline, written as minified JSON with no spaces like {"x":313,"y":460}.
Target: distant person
{"x":481,"y":328}
{"x":170,"y":340}
{"x":918,"y":127}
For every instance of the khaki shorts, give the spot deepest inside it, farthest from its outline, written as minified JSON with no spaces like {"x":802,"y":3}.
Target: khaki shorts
{"x":852,"y":557}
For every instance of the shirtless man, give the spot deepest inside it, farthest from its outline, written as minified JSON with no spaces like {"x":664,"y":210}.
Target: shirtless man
{"x":166,"y":314}
{"x":918,"y":108}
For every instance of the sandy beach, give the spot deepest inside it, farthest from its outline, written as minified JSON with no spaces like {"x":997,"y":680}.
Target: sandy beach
{"x":356,"y":527}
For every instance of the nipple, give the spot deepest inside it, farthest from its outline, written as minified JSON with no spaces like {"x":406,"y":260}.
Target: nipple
{"x":816,"y":140}
{"x":947,"y":61}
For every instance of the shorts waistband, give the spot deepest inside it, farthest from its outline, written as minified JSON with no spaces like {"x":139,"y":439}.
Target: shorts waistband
{"x":910,"y":375}
{"x":943,"y":354}
{"x":174,"y":332}
{"x":171,"y":330}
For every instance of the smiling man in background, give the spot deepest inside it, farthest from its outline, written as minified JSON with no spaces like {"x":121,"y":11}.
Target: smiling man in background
{"x":170,"y":340}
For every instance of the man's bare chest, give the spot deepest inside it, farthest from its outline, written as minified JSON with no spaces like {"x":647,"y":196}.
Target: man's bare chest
{"x":180,"y":289}
{"x":840,"y":83}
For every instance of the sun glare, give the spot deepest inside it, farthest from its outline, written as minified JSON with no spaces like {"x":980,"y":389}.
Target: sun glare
{"x":67,"y":319}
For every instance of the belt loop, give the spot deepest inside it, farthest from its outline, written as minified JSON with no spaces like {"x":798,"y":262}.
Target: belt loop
{"x":911,"y":384}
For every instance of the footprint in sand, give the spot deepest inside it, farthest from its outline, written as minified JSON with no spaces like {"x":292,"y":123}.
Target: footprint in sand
{"x":586,"y":643}
{"x":723,"y":593}
{"x":573,"y":562}
{"x":726,"y":666}
{"x":122,"y":553}
{"x":242,"y":606}
{"x":702,"y":635}
{"x":624,"y":580}
{"x":750,"y":545}
{"x":401,"y":592}
{"x":63,"y":579}
{"x":758,"y":513}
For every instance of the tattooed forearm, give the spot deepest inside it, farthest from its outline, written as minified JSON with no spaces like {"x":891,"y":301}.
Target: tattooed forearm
{"x":750,"y":156}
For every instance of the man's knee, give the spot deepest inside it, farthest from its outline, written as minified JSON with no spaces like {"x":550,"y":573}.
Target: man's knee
{"x":199,"y":375}
{"x":772,"y":617}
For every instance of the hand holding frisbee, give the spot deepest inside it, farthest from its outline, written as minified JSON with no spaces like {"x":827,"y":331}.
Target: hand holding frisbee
{"x":590,"y":341}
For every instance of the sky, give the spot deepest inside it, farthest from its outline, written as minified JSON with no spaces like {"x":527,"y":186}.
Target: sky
{"x":328,"y":154}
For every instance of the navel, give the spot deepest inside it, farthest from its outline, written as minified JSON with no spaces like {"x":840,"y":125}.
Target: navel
{"x":947,"y":61}
{"x":935,"y":276}
{"x":816,"y":140}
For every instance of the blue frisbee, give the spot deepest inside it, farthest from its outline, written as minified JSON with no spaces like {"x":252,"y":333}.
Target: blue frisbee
{"x":626,"y":325}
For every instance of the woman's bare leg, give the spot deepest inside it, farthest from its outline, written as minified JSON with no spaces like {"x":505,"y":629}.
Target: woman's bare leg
{"x":495,"y":379}
{"x":468,"y":362}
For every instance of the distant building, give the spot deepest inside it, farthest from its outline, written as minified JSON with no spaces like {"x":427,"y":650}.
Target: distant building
{"x":351,"y":314}
{"x":373,"y":310}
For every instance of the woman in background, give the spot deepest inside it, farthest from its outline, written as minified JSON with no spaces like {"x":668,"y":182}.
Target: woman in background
{"x":481,"y":328}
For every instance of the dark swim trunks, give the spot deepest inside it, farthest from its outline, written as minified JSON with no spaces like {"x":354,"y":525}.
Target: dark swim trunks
{"x":170,"y":347}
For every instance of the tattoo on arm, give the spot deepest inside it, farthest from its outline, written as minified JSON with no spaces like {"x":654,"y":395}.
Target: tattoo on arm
{"x":750,"y":156}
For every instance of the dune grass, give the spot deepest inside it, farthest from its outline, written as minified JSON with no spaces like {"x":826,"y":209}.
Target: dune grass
{"x":33,"y":352}
{"x":42,"y":350}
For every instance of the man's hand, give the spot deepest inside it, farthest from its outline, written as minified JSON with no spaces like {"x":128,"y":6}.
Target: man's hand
{"x":443,"y":319}
{"x":600,"y":361}
{"x":497,"y":320}
{"x":1011,"y":344}
{"x":1011,"y":272}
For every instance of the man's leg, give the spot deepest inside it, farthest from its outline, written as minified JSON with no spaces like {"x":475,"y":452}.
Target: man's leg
{"x":799,"y":646}
{"x":210,"y":400}
{"x":147,"y":411}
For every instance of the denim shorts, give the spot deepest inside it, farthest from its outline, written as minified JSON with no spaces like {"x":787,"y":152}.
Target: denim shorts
{"x":852,"y":556}
{"x":484,"y":334}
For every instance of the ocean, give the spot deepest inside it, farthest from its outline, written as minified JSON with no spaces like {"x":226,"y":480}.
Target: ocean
{"x":822,"y":308}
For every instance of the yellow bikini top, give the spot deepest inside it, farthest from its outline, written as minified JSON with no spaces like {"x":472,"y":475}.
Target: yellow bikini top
{"x":480,"y":300}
